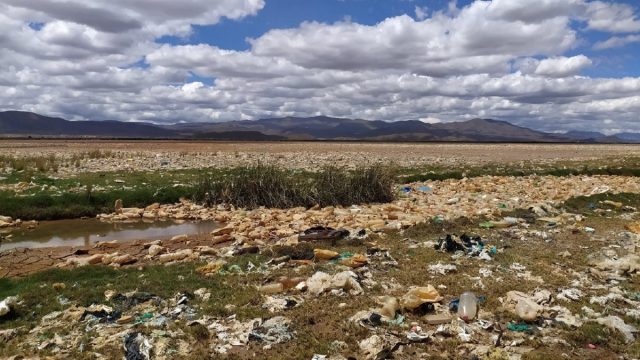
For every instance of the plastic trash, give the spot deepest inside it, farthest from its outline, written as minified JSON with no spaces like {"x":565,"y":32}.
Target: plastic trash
{"x":437,"y":319}
{"x":7,"y":304}
{"x":487,"y":225}
{"x":273,"y":288}
{"x":468,"y":306}
{"x":289,"y":283}
{"x":616,"y":323}
{"x":323,"y":254}
{"x":424,"y":188}
{"x":527,"y":309}
{"x":416,"y":296}
{"x":322,"y":233}
{"x":137,"y":347}
{"x":390,"y":306}
{"x":273,"y":331}
{"x":519,"y":327}
{"x":416,"y":334}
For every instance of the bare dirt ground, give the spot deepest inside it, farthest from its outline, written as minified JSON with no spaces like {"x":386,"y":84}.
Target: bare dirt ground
{"x":393,"y":152}
{"x":555,"y":274}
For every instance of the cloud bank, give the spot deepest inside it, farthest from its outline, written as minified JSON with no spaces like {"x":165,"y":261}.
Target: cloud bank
{"x":503,"y":59}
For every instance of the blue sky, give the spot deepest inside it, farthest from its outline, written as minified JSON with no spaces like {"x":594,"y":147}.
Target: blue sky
{"x":552,"y":65}
{"x":282,"y":14}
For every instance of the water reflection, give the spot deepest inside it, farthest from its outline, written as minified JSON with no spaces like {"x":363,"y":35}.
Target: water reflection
{"x":88,"y":232}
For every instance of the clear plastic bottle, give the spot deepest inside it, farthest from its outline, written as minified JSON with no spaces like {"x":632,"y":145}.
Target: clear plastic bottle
{"x":468,"y":306}
{"x":273,"y":288}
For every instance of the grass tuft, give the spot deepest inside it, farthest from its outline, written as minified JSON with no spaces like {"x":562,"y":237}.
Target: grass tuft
{"x":270,"y":186}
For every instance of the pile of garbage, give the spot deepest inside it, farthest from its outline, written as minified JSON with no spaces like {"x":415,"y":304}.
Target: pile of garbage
{"x":471,"y":247}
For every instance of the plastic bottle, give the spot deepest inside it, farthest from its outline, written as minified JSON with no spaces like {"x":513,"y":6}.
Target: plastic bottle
{"x":288,"y":283}
{"x":273,"y":288}
{"x":468,"y":306}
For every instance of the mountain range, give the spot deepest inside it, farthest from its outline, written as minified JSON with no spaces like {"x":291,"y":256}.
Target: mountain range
{"x":21,"y":124}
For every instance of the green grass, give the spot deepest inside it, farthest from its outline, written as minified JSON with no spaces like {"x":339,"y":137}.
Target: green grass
{"x":89,"y":194}
{"x":253,"y":186}
{"x":588,"y":204}
{"x":86,"y":286}
{"x":75,"y":205}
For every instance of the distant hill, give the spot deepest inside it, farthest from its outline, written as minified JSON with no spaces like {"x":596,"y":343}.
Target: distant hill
{"x":27,"y":123}
{"x":584,"y":135}
{"x":17,"y":123}
{"x":328,"y":128}
{"x":237,"y":136}
{"x":632,"y":137}
{"x":598,"y":137}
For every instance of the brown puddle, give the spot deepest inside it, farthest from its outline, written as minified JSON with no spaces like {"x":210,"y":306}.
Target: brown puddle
{"x":88,"y":232}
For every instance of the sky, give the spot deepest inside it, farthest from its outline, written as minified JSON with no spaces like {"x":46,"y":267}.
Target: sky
{"x":551,"y":65}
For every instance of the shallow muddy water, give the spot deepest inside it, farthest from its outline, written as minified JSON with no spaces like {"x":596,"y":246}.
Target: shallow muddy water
{"x":88,"y":232}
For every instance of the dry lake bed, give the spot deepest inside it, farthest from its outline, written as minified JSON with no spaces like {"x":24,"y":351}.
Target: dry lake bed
{"x":113,"y":249}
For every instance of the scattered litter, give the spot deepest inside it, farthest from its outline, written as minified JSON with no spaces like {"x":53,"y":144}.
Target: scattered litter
{"x":321,"y":282}
{"x":137,"y":347}
{"x":519,"y":327}
{"x":471,"y":246}
{"x":467,"y":306}
{"x":441,"y":269}
{"x":416,"y":334}
{"x":322,"y":233}
{"x":616,"y":323}
{"x":6,"y":306}
{"x":417,"y":296}
{"x":274,"y":304}
{"x":273,"y":331}
{"x":569,"y":294}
